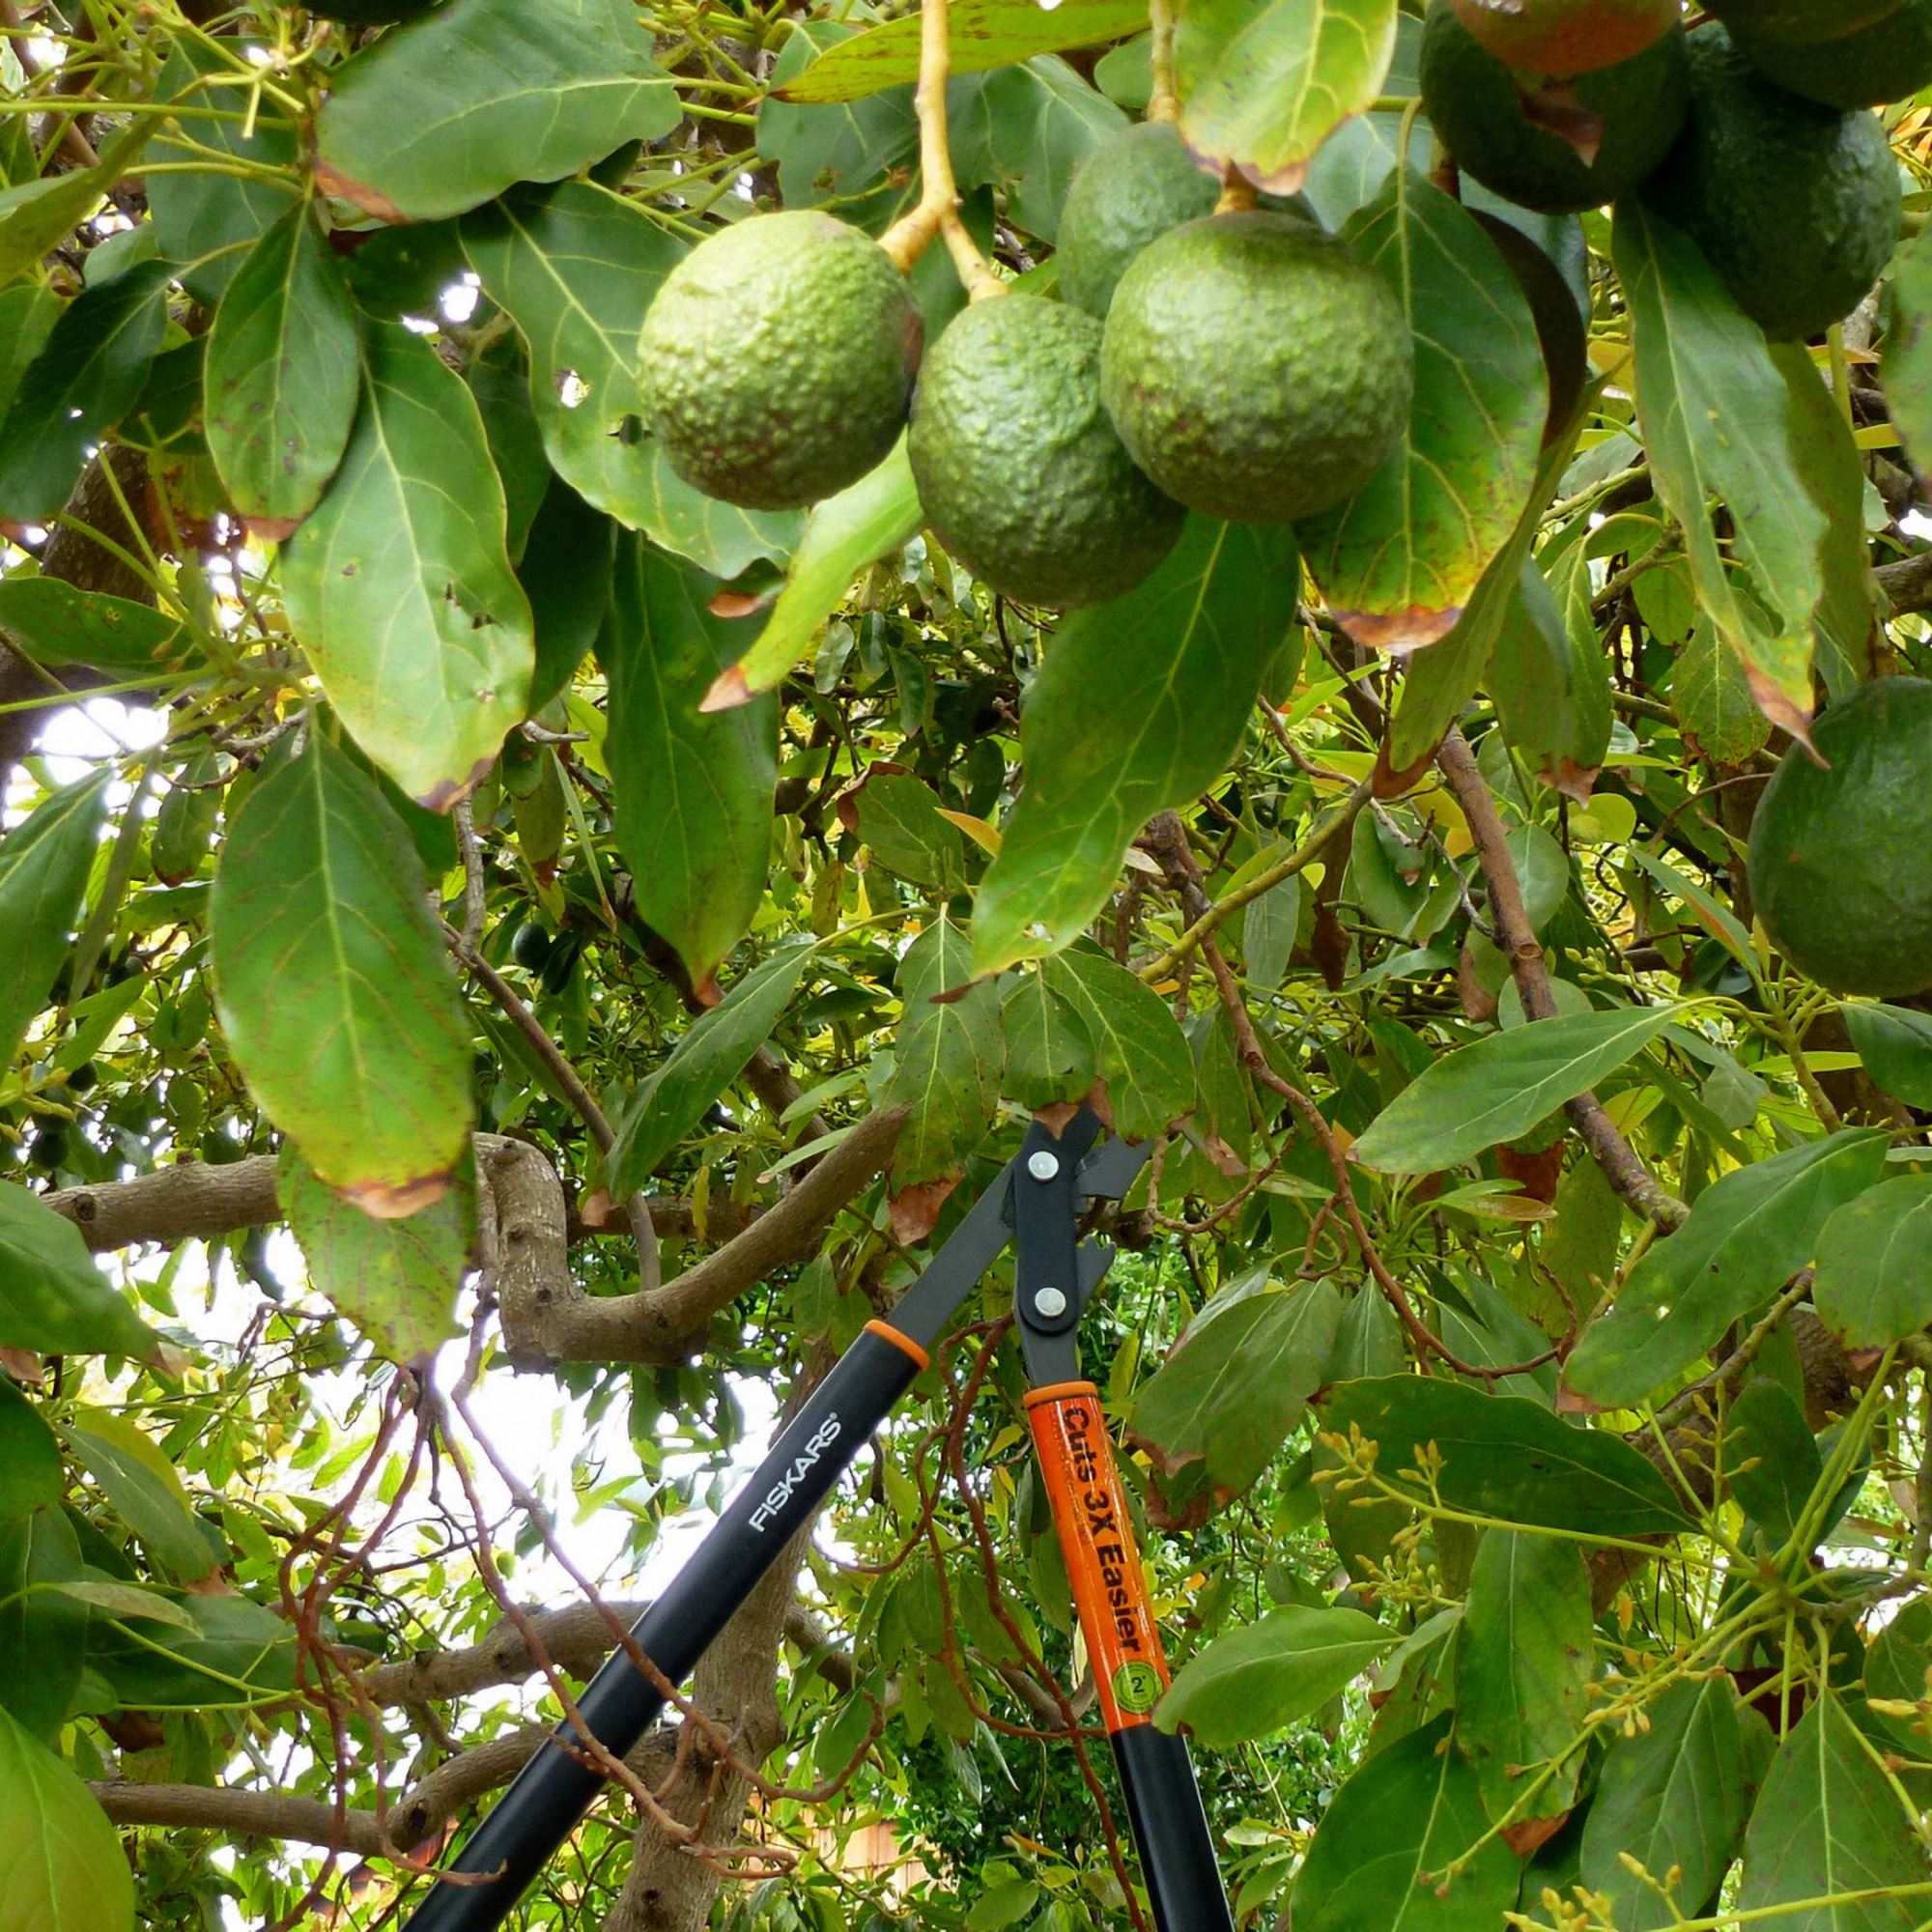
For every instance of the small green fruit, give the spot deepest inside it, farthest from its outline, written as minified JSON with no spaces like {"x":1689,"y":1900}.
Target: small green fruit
{"x":1255,"y":368}
{"x":1134,"y":186}
{"x":1018,"y":467}
{"x":1841,"y":854}
{"x":779,"y":359}
{"x":531,"y":948}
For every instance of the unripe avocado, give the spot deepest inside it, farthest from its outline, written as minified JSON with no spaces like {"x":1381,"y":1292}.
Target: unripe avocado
{"x":1020,"y":469}
{"x":779,"y":359}
{"x":1889,"y":61}
{"x":1255,"y":368}
{"x":1801,"y":22}
{"x":1796,"y":206}
{"x":531,"y":948}
{"x":1475,"y":104}
{"x":1842,"y":856}
{"x":1135,"y":185}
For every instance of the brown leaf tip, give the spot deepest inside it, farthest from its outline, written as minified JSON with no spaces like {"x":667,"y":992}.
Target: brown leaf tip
{"x":1400,"y":632}
{"x":728,"y":690}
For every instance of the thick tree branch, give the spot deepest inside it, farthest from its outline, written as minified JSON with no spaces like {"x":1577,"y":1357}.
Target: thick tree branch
{"x":576,"y":1639}
{"x":1908,"y":583}
{"x":635,"y":1211}
{"x":196,"y":1201}
{"x":1634,"y":1184}
{"x":72,"y":555}
{"x":548,"y":1317}
{"x":414,"y":1819}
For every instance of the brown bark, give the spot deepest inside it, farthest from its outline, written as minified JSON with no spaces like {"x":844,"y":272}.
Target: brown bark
{"x":1634,"y":1184}
{"x":669,"y":1887}
{"x":74,"y":558}
{"x":413,"y":1819}
{"x":195,"y":1201}
{"x":576,"y":1639}
{"x":548,"y":1317}
{"x":1908,"y":583}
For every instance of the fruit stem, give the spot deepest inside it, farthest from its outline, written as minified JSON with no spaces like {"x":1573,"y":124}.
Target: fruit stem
{"x":938,"y":210}
{"x":1238,"y":193}
{"x":1164,"y":102}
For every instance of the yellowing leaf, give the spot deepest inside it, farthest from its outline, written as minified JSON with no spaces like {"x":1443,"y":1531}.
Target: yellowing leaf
{"x":1284,"y":81}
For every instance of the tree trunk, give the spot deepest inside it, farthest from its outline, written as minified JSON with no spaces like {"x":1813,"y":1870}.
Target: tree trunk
{"x":736,"y":1686}
{"x":76,"y":559}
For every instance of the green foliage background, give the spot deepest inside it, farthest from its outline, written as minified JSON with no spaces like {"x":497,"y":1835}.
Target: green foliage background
{"x":1519,"y":1347}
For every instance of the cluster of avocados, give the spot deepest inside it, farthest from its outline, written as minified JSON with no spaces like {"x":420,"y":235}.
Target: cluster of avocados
{"x":1242,"y":363}
{"x":1749,"y":133}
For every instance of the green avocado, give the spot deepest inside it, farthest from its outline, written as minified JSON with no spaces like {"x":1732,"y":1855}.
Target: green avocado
{"x":779,"y":359}
{"x":1796,"y":206}
{"x":1842,"y":856}
{"x":1254,"y":367}
{"x":531,"y":945}
{"x":1019,"y":469}
{"x":1136,"y":185}
{"x":1891,"y":61}
{"x":1476,"y":103}
{"x":1801,"y":22}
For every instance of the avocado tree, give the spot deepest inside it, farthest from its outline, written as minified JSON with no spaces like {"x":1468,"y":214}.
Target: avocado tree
{"x":630,"y":633}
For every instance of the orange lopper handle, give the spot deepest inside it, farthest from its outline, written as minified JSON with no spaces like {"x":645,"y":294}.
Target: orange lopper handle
{"x":1096,"y":1537}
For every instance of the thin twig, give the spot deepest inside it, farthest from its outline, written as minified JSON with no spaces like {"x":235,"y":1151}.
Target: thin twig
{"x":938,"y":210}
{"x":1623,"y":1168}
{"x":1164,"y":103}
{"x":1324,"y":834}
{"x":650,"y":1263}
{"x":463,"y":817}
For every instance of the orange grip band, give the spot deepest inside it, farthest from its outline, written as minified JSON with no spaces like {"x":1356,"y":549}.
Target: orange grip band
{"x":904,"y":1344}
{"x":1096,"y":1537}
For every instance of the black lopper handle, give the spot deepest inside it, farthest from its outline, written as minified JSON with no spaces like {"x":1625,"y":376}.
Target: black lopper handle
{"x":1170,"y":1826}
{"x":555,"y":1788}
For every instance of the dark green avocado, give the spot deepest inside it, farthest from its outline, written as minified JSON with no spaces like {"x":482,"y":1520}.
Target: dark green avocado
{"x":1254,"y":367}
{"x":1796,"y":206}
{"x":1019,"y":469}
{"x":1841,"y":854}
{"x":1135,"y":185}
{"x":1889,"y":61}
{"x":1801,"y":22}
{"x":779,"y":360}
{"x":1476,"y":105}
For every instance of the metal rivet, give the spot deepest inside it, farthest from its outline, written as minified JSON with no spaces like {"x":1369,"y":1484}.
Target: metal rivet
{"x":1049,"y":1301}
{"x":1042,"y":1166}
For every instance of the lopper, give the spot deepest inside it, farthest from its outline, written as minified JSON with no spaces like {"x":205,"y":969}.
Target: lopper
{"x":1035,"y":1204}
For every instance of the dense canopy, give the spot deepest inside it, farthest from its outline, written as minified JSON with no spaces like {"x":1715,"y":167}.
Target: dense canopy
{"x":509,"y":962}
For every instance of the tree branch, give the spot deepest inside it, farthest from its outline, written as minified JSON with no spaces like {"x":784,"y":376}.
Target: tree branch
{"x":573,"y":1089}
{"x":196,"y":1201}
{"x":548,"y":1317}
{"x":1908,"y":583}
{"x":576,"y":1639}
{"x":1634,"y":1184}
{"x":412,"y":1820}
